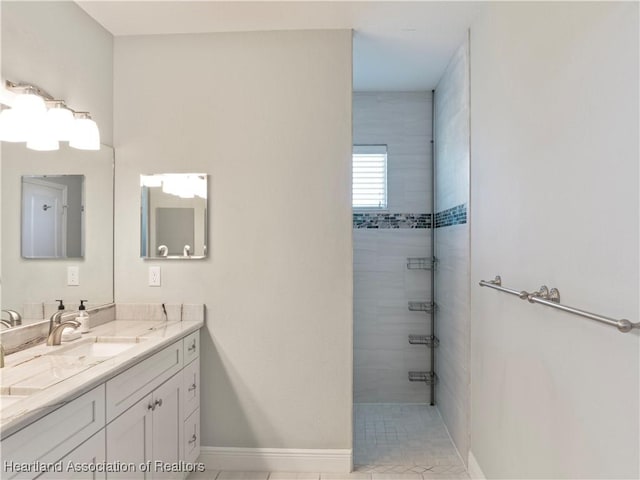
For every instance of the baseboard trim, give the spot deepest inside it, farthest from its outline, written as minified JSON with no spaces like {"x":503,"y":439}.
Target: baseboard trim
{"x":276,"y":459}
{"x":474,"y":469}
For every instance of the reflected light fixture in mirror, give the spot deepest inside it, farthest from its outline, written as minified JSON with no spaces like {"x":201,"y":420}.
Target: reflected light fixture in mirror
{"x":35,"y":117}
{"x":173,"y":216}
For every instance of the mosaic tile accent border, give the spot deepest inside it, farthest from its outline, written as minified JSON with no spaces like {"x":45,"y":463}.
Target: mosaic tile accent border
{"x":452,"y":216}
{"x":391,"y":220}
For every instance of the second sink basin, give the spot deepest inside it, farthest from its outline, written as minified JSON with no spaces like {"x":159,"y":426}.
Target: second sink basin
{"x":6,"y":400}
{"x":97,"y":347}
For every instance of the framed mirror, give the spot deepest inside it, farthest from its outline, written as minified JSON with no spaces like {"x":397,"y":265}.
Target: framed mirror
{"x":52,"y":216}
{"x":173,"y":216}
{"x":33,"y":280}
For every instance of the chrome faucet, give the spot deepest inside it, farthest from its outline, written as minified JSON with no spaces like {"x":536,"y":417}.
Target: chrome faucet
{"x":55,"y":337}
{"x":54,"y":320}
{"x":56,"y":317}
{"x":15,"y":318}
{"x":5,"y":323}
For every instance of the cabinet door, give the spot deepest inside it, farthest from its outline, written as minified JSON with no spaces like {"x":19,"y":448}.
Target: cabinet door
{"x":167,"y":426}
{"x":129,"y":439}
{"x":91,"y":452}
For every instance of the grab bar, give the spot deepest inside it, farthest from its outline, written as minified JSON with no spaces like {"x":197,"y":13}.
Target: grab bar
{"x":552,"y":299}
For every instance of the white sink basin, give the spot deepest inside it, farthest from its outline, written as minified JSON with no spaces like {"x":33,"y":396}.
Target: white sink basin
{"x":97,"y":349}
{"x":6,"y":400}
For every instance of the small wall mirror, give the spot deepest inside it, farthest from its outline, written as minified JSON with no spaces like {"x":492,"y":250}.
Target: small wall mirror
{"x":52,"y":216}
{"x":173,"y":216}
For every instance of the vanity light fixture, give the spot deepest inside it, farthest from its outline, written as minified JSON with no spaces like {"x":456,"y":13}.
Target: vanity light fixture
{"x":85,"y":134}
{"x":60,"y":120}
{"x":9,"y":126}
{"x":41,"y":121}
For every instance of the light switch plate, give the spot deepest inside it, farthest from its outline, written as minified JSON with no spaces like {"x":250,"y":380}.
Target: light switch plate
{"x":154,"y":276}
{"x":73,"y":276}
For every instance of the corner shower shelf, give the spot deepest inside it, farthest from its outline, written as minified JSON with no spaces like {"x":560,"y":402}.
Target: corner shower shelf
{"x":421,"y":263}
{"x":422,"y":307}
{"x":430,"y":341}
{"x":430,"y":378}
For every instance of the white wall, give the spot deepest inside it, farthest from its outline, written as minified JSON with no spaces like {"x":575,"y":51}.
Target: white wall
{"x":382,"y":283}
{"x":268,"y":117}
{"x":58,"y":47}
{"x":554,"y":190}
{"x":452,"y":248}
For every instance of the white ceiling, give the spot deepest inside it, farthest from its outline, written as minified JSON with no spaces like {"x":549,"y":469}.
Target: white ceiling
{"x":397,"y":46}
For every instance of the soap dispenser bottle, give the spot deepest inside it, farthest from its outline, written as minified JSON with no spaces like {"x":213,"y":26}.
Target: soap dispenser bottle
{"x":83,"y":317}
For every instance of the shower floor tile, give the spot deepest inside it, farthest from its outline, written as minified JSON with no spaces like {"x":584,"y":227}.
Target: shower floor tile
{"x":404,"y":438}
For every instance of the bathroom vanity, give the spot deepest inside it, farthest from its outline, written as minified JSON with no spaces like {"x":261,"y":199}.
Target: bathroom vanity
{"x":121,"y":402}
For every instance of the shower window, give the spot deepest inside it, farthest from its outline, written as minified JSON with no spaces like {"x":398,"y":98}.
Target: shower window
{"x":370,"y":177}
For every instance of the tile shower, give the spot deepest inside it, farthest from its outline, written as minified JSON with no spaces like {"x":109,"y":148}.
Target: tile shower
{"x":383,"y":241}
{"x":395,"y":428}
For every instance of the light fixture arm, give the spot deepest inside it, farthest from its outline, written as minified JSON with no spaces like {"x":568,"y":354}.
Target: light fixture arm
{"x":42,"y":121}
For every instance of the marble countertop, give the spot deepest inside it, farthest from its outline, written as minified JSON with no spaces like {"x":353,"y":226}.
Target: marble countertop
{"x":40,"y":379}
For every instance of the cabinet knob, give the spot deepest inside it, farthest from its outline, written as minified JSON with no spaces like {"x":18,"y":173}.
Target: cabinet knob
{"x":192,"y":348}
{"x":192,"y":387}
{"x":193,"y":439}
{"x":151,"y":406}
{"x":158,"y":403}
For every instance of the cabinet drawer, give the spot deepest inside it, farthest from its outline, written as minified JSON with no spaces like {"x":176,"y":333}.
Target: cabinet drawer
{"x":191,"y":387}
{"x":192,"y":437}
{"x":191,"y":347}
{"x":131,"y":385}
{"x":91,"y":452}
{"x":57,"y":434}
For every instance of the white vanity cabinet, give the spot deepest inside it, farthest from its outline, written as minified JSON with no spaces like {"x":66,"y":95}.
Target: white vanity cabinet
{"x":149,"y":431}
{"x":191,"y":398}
{"x":90,"y":452}
{"x":53,"y":437}
{"x":152,"y":429}
{"x":137,"y":417}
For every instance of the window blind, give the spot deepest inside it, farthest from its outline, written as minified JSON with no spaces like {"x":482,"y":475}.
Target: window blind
{"x":370,"y":176}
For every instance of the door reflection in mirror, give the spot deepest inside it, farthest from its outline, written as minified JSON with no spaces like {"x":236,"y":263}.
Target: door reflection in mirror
{"x":173,"y":216}
{"x":52,"y":216}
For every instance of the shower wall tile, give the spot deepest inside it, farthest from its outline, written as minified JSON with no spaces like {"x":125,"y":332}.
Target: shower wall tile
{"x":452,"y":248}
{"x":382,"y":321}
{"x":402,"y":121}
{"x":382,"y":283}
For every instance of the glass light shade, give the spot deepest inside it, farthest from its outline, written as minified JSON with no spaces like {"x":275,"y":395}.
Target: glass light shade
{"x":29,"y":106}
{"x":41,"y":137}
{"x":85,"y":135}
{"x":60,"y":122}
{"x":43,"y":144}
{"x":18,"y":127}
{"x":9,"y":131}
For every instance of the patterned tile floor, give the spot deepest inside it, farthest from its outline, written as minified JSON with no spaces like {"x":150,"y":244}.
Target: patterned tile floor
{"x":400,"y":438}
{"x":391,"y":442}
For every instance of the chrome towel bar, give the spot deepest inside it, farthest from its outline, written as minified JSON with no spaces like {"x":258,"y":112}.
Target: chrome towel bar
{"x":551,"y":298}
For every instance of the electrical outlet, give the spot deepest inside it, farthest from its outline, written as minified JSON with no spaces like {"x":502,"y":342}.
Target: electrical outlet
{"x":73,"y":276}
{"x":154,"y":276}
